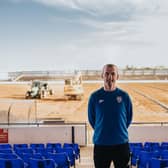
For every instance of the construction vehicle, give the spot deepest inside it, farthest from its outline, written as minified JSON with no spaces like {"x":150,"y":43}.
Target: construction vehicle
{"x":38,"y":90}
{"x":73,"y":88}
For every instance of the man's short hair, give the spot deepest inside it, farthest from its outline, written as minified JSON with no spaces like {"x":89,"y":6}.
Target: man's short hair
{"x":109,"y":65}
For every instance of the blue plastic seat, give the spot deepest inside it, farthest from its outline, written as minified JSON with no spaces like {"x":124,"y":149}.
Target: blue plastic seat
{"x":151,"y":146}
{"x":42,"y":163}
{"x":61,"y":159}
{"x":8,"y":156}
{"x":164,"y":154}
{"x":15,"y":146}
{"x":6,"y":150}
{"x":132,"y":145}
{"x":20,"y":151}
{"x":5,"y":146}
{"x":11,"y":163}
{"x":164,"y":145}
{"x":144,"y":159}
{"x":70,"y":152}
{"x":158,"y":163}
{"x":26,"y":156}
{"x":75,"y":147}
{"x":53,"y":146}
{"x":38,"y":145}
{"x":43,"y":151}
{"x":135,"y":155}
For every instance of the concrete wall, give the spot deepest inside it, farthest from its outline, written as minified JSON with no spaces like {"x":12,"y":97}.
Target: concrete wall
{"x":60,"y":133}
{"x":155,"y":133}
{"x":63,"y":133}
{"x":143,"y":133}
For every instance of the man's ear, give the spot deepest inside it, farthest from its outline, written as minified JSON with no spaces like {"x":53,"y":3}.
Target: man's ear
{"x":102,"y":75}
{"x":117,"y":76}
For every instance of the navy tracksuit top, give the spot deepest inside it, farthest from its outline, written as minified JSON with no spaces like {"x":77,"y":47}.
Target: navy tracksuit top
{"x":110,"y":114}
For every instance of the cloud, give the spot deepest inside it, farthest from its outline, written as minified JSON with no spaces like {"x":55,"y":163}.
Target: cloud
{"x":64,"y":3}
{"x":120,"y":8}
{"x":95,"y":12}
{"x":106,"y":7}
{"x":107,"y":29}
{"x":115,"y":16}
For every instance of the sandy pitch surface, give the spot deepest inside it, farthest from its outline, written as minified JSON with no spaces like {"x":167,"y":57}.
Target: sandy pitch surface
{"x":55,"y":106}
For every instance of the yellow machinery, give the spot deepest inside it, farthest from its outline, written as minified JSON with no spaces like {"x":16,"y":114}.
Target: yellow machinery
{"x":73,"y":88}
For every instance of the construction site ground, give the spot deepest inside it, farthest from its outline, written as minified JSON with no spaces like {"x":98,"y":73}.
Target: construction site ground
{"x":150,"y":101}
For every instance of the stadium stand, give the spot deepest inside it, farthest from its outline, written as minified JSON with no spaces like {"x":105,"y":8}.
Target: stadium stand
{"x":150,"y":154}
{"x":39,"y":155}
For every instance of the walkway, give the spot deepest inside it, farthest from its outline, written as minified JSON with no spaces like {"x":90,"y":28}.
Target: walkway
{"x":86,"y":158}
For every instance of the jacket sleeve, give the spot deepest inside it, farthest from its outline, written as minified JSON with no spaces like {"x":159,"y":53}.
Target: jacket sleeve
{"x":91,"y":112}
{"x":129,"y":111}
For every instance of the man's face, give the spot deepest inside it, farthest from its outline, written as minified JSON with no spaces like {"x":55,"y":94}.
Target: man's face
{"x":110,"y":75}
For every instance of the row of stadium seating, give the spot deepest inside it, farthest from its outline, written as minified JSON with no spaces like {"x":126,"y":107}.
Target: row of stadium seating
{"x":50,"y":155}
{"x":149,"y":154}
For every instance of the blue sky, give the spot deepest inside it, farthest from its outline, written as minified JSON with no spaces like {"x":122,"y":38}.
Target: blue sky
{"x":82,"y":34}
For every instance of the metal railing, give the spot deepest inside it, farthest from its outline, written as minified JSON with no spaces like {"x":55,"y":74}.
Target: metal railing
{"x":88,"y":73}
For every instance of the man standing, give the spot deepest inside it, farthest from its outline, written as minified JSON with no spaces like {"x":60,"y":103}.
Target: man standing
{"x":110,"y":114}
